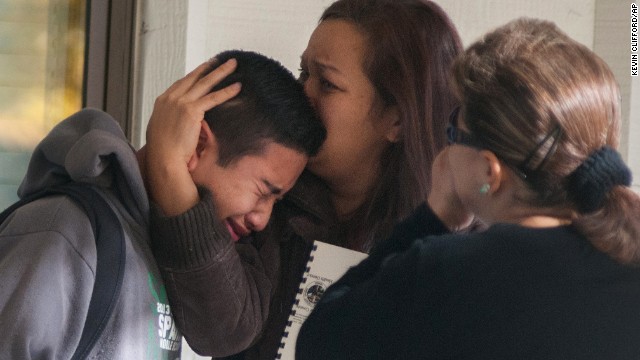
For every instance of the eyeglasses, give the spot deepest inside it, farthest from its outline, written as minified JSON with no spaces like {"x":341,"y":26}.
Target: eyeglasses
{"x":455,"y":135}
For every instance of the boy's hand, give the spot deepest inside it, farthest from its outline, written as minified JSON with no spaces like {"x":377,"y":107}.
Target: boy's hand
{"x":177,"y":113}
{"x":173,"y":131}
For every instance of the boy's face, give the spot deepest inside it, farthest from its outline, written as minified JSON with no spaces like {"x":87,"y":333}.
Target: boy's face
{"x":245,"y":190}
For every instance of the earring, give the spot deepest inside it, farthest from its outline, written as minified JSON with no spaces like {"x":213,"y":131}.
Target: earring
{"x":484,"y":189}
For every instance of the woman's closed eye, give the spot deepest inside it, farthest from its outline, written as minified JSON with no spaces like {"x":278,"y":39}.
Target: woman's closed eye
{"x":303,"y":75}
{"x":327,"y":85}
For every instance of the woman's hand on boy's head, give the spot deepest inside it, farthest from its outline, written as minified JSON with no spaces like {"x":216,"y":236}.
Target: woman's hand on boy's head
{"x":443,"y":197}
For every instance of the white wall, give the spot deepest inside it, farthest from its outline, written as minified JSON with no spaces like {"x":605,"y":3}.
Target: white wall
{"x":281,"y":28}
{"x":633,"y":130}
{"x":176,"y":36}
{"x":612,"y":42}
{"x":474,"y":18}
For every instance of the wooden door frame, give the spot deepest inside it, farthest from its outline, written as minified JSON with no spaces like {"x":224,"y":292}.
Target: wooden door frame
{"x":109,"y":59}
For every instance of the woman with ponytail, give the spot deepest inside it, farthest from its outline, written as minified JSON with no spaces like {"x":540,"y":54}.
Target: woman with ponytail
{"x":556,"y":275}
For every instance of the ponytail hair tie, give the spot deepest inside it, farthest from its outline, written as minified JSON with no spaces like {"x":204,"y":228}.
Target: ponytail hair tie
{"x":595,"y":177}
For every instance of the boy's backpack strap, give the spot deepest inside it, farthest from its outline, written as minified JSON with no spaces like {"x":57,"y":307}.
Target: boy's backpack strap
{"x":110,"y":249}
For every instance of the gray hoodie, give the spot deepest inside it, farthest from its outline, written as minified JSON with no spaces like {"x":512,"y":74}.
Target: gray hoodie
{"x":48,"y":254}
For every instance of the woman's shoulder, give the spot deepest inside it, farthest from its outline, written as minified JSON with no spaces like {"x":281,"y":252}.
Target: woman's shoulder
{"x":500,"y":244}
{"x":507,"y":253}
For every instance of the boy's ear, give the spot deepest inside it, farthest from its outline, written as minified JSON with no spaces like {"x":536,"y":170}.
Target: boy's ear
{"x":206,"y":143}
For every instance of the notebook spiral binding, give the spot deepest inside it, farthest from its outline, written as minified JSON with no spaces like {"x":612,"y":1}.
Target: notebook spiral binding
{"x":296,"y":302}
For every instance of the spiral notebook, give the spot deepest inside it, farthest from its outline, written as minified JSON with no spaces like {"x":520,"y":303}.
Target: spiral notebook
{"x":326,"y":264}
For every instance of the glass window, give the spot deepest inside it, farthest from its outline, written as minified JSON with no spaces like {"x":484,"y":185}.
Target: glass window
{"x":41,"y":73}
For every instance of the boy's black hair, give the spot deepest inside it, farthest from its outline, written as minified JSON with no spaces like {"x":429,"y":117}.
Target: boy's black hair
{"x":271,"y":106}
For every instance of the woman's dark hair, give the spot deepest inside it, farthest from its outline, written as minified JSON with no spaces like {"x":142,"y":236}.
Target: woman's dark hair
{"x":411,"y":45}
{"x":271,"y":106}
{"x":550,"y":107}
